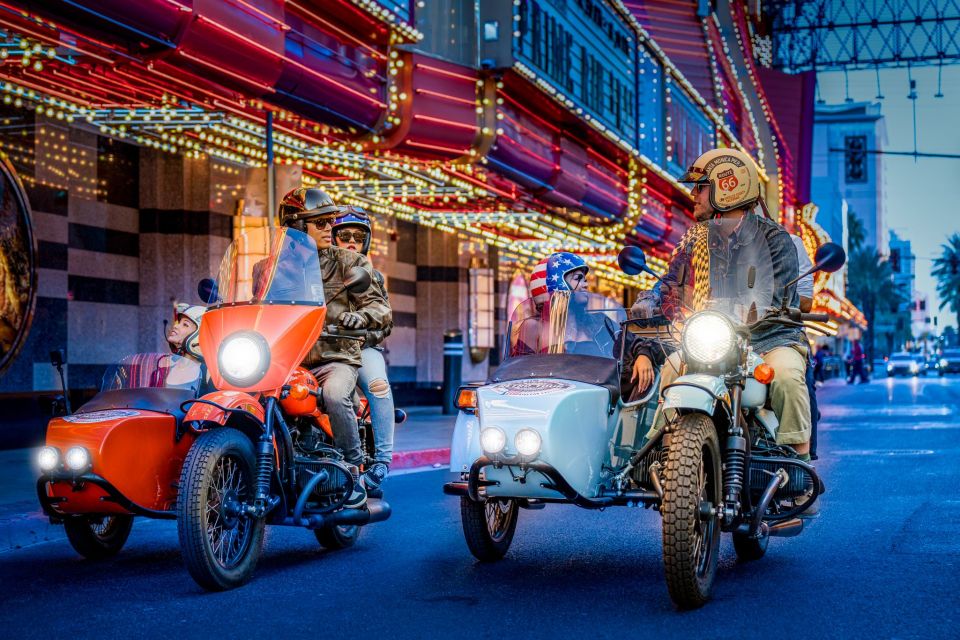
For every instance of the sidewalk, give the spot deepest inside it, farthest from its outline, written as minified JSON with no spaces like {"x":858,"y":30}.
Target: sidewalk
{"x":423,"y":441}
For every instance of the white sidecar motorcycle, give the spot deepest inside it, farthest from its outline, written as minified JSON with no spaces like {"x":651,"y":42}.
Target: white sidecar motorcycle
{"x":551,"y":426}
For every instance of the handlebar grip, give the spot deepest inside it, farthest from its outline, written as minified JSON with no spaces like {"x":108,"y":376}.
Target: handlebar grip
{"x":352,"y":335}
{"x":815,"y":317}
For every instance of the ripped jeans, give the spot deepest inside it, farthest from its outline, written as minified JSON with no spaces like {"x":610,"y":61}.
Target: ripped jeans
{"x":373,"y":382}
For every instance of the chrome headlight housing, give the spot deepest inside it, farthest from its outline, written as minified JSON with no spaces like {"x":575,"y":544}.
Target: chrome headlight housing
{"x":48,"y":458}
{"x":243,"y":358}
{"x":527,"y":442}
{"x":493,"y":439}
{"x":77,"y":459}
{"x":709,"y":338}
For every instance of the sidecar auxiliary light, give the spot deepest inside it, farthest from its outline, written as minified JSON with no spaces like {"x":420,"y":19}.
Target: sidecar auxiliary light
{"x":77,"y":459}
{"x":244,"y":358}
{"x":48,"y":459}
{"x":466,"y":399}
{"x":493,"y":440}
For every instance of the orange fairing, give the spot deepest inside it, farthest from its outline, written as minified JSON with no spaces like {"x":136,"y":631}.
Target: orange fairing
{"x":301,"y":401}
{"x":288,"y":330}
{"x":137,"y":453}
{"x":202,"y":412}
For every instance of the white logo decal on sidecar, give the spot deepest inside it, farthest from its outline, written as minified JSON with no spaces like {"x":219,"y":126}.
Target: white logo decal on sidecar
{"x":531,"y":388}
{"x":101,"y":416}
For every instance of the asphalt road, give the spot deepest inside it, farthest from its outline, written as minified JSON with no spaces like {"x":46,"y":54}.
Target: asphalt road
{"x":881,"y":561}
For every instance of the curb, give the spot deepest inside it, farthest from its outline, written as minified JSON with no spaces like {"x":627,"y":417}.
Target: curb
{"x":422,"y":458}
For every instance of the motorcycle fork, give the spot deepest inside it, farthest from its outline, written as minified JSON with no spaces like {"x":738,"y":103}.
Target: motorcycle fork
{"x":734,"y":458}
{"x":263,"y":502}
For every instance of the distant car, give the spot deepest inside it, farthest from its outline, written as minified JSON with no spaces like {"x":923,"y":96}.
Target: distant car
{"x":905,"y":364}
{"x":949,"y":361}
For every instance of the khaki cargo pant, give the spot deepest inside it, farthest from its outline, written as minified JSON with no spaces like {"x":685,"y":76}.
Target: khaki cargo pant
{"x":788,"y":392}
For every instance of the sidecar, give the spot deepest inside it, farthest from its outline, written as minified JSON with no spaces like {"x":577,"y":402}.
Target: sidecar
{"x":120,"y":454}
{"x":550,"y":426}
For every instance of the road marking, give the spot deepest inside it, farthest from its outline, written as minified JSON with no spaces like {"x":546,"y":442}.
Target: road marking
{"x":884,"y":452}
{"x":890,"y":426}
{"x":904,"y":411}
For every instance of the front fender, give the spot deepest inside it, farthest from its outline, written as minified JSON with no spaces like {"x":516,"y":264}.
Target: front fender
{"x":201,"y":412}
{"x":694,"y":392}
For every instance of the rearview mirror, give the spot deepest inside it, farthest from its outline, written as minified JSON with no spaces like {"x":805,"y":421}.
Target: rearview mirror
{"x":632,"y":261}
{"x":207,"y":290}
{"x":57,"y":357}
{"x":357,"y":280}
{"x":830,"y":257}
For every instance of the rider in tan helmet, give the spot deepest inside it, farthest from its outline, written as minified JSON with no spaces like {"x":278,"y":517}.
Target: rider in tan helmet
{"x":726,"y":191}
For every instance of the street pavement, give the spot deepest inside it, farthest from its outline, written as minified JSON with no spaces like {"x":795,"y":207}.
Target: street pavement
{"x":881,"y":561}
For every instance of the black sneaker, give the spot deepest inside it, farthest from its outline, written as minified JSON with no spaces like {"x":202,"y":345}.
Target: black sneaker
{"x":358,"y":497}
{"x":375,"y":475}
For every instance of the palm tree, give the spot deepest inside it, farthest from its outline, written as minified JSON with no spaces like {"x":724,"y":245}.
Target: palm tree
{"x":870,"y":286}
{"x":946,"y":269}
{"x":856,"y":233}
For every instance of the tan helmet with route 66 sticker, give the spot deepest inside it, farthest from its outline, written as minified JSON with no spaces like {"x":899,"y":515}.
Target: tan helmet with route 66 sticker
{"x":732,"y":176}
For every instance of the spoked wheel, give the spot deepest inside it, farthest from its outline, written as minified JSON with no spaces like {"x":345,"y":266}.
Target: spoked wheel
{"x":221,"y":544}
{"x":98,"y":537}
{"x":488,"y":526}
{"x":691,"y":491}
{"x":337,"y":537}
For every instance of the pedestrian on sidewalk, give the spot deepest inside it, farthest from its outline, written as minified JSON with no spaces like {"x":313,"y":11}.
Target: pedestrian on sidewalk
{"x":856,"y":364}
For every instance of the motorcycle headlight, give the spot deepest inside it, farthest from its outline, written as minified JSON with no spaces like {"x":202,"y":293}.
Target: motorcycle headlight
{"x":914,"y":367}
{"x":527,"y":442}
{"x":493,"y":439}
{"x":889,"y":368}
{"x":708,"y":338}
{"x":244,"y":358}
{"x":943,"y":362}
{"x":77,"y":458}
{"x":48,"y":458}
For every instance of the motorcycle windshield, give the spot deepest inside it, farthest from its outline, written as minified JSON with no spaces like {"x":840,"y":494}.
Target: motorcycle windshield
{"x":151,"y":371}
{"x":728,"y":268}
{"x":568,"y":323}
{"x":268,"y":312}
{"x":270,"y":265}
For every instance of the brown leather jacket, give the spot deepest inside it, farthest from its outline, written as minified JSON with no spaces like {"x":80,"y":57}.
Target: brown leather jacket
{"x":372,"y":304}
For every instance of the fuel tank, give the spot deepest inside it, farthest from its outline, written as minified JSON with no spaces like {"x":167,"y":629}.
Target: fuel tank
{"x":573,"y":421}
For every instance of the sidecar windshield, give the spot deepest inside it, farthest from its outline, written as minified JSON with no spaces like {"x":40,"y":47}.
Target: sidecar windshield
{"x":153,"y":370}
{"x":270,"y":265}
{"x":728,"y":268}
{"x":578,"y":323}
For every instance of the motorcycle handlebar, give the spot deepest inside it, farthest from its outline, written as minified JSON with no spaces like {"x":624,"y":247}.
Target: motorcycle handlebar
{"x":797,"y":316}
{"x":346,"y":334}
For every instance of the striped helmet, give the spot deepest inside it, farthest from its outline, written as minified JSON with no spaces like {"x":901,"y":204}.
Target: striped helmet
{"x":548,"y":275}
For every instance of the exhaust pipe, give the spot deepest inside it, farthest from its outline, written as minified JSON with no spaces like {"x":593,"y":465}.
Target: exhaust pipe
{"x":785,"y":529}
{"x":376,"y":511}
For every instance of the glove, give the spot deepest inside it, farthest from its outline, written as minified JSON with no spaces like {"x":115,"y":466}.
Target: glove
{"x":352,"y":320}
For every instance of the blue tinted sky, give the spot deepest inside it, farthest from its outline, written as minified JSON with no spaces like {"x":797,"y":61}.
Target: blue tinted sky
{"x":920,"y":196}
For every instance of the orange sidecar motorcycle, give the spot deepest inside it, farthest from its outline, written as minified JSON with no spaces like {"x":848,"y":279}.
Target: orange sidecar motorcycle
{"x":257,"y":450}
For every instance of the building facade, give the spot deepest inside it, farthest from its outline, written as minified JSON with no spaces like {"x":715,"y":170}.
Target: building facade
{"x":847,"y":172}
{"x":481,"y":136}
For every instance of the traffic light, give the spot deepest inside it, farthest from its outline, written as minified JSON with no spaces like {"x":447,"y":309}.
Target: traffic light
{"x":895,"y":260}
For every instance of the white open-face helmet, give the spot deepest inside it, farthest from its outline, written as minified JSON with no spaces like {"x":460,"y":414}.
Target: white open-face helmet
{"x":191,"y":344}
{"x":732,"y":176}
